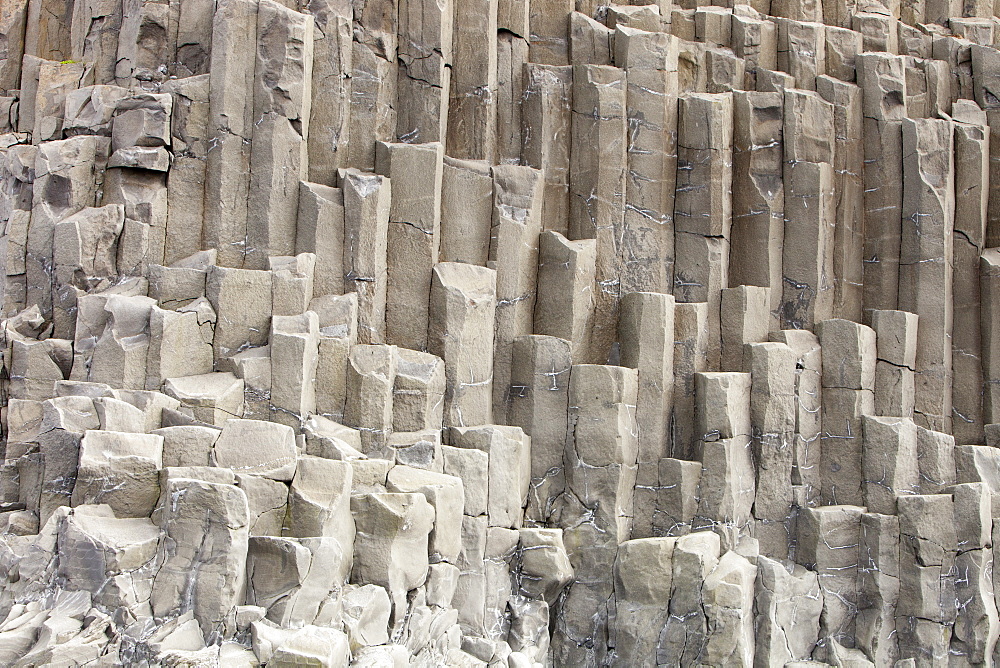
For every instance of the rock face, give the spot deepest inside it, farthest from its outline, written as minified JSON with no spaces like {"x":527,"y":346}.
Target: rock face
{"x":505,"y":333}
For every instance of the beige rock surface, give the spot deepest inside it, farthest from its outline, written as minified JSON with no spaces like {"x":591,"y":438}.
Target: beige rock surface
{"x":499,"y":333}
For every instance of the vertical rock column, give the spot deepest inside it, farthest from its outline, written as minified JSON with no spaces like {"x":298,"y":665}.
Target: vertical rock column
{"x":462,"y":315}
{"x":367,"y":202}
{"x":878,"y":587}
{"x":596,"y":508}
{"x":598,"y":165}
{"x":849,"y":355}
{"x":985,"y":66}
{"x":193,"y":43}
{"x":828,"y":543}
{"x":320,"y":231}
{"x":772,"y":423}
{"x":330,"y":109}
{"x":643,"y":583}
{"x":848,"y":189}
{"x":683,"y":639}
{"x":338,"y":332}
{"x":425,"y":57}
{"x":242,"y":300}
{"x":927,"y":576}
{"x":728,"y":478}
{"x":227,"y":184}
{"x":546,"y":125}
{"x":645,"y":330}
{"x":147,"y":43}
{"x":703,"y":205}
{"x":517,"y":212}
{"x":564,"y":303}
{"x":413,"y":238}
{"x":539,"y":401}
{"x":16,"y":180}
{"x":889,"y":462}
{"x":12,"y":24}
{"x":141,"y":127}
{"x":371,"y":378}
{"x":691,"y":345}
{"x":548,"y":22}
{"x":650,"y":63}
{"x":373,"y":80}
{"x":801,"y":46}
{"x":806,"y":471}
{"x":466,"y":211}
{"x":807,"y":257}
{"x":203,"y":567}
{"x":925,"y":270}
{"x":67,"y":179}
{"x":94,"y":35}
{"x":758,"y":193}
{"x":745,"y":317}
{"x":883,"y":84}
{"x":972,"y":142}
{"x":788,"y":602}
{"x":278,"y":156}
{"x":472,"y":109}
{"x":189,"y":130}
{"x":512,"y":55}
{"x":976,"y":625}
{"x":989,"y":281}
{"x":896,"y":333}
{"x":294,"y":357}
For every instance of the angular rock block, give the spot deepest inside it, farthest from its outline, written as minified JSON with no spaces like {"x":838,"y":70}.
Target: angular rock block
{"x":371,"y":374}
{"x":294,"y":579}
{"x":261,"y":448}
{"x":540,"y":370}
{"x":391,"y":543}
{"x":445,"y":493}
{"x":509,"y":467}
{"x":463,"y":307}
{"x":209,"y":581}
{"x":119,"y":470}
{"x":319,"y":503}
{"x":212,"y":398}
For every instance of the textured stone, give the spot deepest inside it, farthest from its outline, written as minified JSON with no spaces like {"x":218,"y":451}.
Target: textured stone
{"x":499,"y":333}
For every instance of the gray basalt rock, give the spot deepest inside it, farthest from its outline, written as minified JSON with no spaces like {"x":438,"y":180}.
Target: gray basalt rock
{"x":499,"y":333}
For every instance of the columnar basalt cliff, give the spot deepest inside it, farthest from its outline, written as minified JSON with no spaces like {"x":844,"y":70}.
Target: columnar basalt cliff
{"x":501,"y":333}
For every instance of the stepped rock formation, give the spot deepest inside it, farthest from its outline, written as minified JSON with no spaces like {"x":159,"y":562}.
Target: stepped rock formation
{"x":504,"y":333}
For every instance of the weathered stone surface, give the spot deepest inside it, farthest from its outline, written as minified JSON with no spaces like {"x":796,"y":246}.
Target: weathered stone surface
{"x":119,"y":470}
{"x":260,"y":448}
{"x":600,"y":460}
{"x":293,"y":579}
{"x":463,"y":307}
{"x":413,"y":238}
{"x":517,"y":209}
{"x":926,"y":260}
{"x":546,"y":112}
{"x":445,"y":493}
{"x":829,"y":539}
{"x":209,"y":583}
{"x":499,"y":333}
{"x":371,"y":375}
{"x":367,"y":200}
{"x":643,"y":583}
{"x":391,"y":543}
{"x":645,"y":345}
{"x":789,"y":601}
{"x":319,"y":504}
{"x":509,"y":461}
{"x":212,"y":398}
